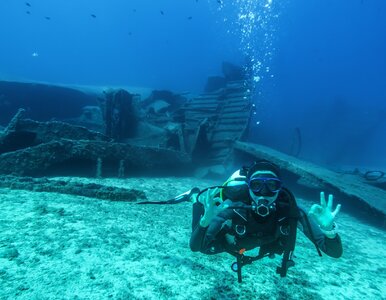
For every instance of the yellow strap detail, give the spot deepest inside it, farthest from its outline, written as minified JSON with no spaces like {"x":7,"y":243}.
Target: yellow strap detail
{"x":225,"y":184}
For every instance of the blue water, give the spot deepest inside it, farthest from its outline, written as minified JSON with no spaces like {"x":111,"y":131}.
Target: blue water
{"x":317,"y":65}
{"x":330,"y":75}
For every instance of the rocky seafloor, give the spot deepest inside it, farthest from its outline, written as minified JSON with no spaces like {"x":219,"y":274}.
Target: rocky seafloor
{"x":57,"y":246}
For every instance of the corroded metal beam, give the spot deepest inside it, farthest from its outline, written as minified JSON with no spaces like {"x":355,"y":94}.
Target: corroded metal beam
{"x":312,"y":175}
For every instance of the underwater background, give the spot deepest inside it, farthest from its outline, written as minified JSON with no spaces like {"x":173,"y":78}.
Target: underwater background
{"x":319,"y":66}
{"x":318,"y":73}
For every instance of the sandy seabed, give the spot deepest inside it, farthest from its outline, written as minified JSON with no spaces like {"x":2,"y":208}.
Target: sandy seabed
{"x":55,"y":246}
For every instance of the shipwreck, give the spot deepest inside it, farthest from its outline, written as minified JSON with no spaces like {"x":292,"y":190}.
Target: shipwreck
{"x":49,"y":130}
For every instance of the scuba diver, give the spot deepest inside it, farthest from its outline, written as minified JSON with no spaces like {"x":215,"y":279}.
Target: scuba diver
{"x":253,"y":209}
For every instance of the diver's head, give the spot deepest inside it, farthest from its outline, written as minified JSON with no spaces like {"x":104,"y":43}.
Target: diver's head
{"x":264,"y":185}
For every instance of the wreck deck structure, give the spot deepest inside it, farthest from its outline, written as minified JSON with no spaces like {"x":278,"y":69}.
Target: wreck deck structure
{"x":227,"y":113}
{"x":210,"y":122}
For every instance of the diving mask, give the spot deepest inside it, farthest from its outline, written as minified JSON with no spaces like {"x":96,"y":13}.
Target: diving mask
{"x":264,"y":185}
{"x":264,"y":188}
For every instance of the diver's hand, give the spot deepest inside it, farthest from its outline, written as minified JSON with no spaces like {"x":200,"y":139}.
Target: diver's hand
{"x":212,"y":205}
{"x":323,"y":213}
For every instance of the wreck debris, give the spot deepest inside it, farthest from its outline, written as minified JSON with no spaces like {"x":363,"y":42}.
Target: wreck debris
{"x":296,"y":145}
{"x":212,"y":122}
{"x":23,"y":133}
{"x":38,"y":148}
{"x":99,"y":168}
{"x":120,"y":114}
{"x":162,"y":101}
{"x":14,"y":121}
{"x":90,"y":118}
{"x":121,"y":169}
{"x":164,"y":128}
{"x":59,"y":102}
{"x":366,"y":198}
{"x":80,"y":157}
{"x":231,"y":73}
{"x":91,"y":190}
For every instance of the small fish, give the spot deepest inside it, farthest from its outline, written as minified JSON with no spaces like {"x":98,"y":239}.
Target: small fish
{"x":134,"y":10}
{"x":130,"y":33}
{"x":162,"y":12}
{"x":92,"y":15}
{"x":189,"y":18}
{"x":29,"y":5}
{"x":48,"y":18}
{"x":28,"y":12}
{"x":219,"y":1}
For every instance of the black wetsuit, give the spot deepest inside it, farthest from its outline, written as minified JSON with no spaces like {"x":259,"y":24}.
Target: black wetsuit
{"x":221,"y":236}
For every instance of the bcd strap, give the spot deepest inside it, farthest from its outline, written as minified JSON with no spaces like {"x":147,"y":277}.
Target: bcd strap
{"x":286,"y":263}
{"x":239,"y":266}
{"x":290,"y":241}
{"x":242,"y":260}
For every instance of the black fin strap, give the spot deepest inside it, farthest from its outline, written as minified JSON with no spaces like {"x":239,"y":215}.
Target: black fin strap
{"x":289,"y":248}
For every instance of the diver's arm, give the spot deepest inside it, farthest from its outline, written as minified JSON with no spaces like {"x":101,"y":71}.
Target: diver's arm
{"x":198,"y":232}
{"x":204,"y":240}
{"x":197,"y":237}
{"x":332,"y":246}
{"x":207,"y":239}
